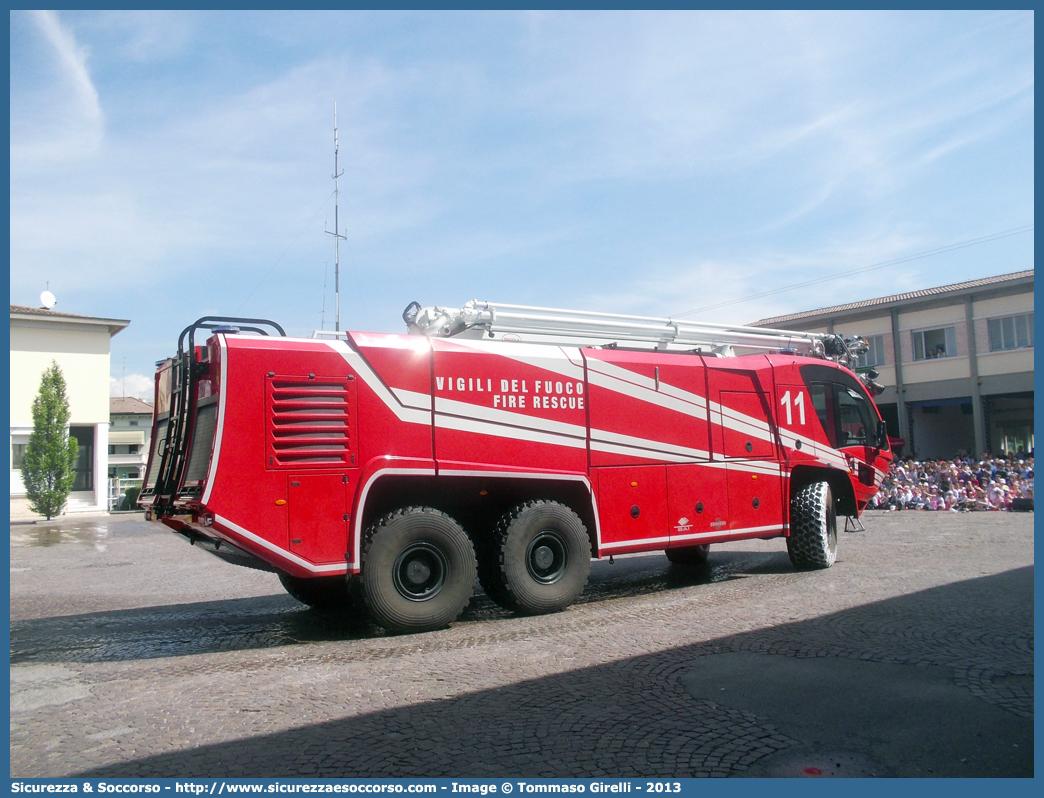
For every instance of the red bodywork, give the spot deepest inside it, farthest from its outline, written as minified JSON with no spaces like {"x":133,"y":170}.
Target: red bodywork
{"x":298,"y":444}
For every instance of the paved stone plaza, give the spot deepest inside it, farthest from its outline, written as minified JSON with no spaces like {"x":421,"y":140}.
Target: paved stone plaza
{"x":133,"y":654}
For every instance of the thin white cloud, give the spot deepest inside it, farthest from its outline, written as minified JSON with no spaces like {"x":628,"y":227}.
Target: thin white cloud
{"x":73,"y":58}
{"x":67,"y":120}
{"x":676,"y":287}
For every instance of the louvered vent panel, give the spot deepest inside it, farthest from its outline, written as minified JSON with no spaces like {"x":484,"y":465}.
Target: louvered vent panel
{"x":310,"y":422}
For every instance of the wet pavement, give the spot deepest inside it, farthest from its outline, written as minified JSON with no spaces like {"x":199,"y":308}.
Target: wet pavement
{"x":132,"y":653}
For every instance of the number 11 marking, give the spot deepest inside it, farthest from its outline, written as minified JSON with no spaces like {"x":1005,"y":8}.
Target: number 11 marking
{"x":799,"y":402}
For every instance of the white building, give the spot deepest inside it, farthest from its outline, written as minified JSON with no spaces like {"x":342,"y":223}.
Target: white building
{"x":80,"y":347}
{"x":956,"y":362}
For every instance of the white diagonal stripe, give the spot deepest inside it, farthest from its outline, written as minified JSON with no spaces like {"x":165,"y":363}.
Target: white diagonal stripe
{"x":637,"y":386}
{"x":503,"y":431}
{"x":495,"y":416}
{"x":421,"y":401}
{"x":556,"y":359}
{"x":409,"y":415}
{"x":329,"y":568}
{"x":604,"y":436}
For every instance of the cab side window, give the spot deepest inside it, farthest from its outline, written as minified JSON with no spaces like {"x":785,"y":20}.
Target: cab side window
{"x":843,"y":408}
{"x":854,"y":417}
{"x":822,"y":394}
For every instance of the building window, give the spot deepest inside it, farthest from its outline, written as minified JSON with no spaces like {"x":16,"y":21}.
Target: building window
{"x":17,"y":455}
{"x":929,"y":344}
{"x":1011,"y":332}
{"x":112,"y":449}
{"x":132,"y":449}
{"x":875,"y":355}
{"x":134,"y":422}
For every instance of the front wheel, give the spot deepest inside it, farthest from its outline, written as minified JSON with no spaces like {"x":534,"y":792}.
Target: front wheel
{"x":539,"y":559}
{"x":418,"y":570}
{"x":813,"y":527}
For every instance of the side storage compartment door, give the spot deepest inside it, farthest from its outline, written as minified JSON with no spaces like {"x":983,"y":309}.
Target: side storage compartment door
{"x":698,"y":501}
{"x":755,"y":499}
{"x":742,"y":421}
{"x":744,"y":434}
{"x":312,"y":430}
{"x":318,"y":517}
{"x":632,"y":507}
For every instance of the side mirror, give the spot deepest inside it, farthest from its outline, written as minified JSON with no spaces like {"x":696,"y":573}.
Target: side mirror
{"x":882,"y":434}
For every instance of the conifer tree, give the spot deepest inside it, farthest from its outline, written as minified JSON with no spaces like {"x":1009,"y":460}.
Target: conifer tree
{"x":47,"y":467}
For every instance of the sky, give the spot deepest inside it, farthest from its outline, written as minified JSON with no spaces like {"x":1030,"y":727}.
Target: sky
{"x":171,"y":165}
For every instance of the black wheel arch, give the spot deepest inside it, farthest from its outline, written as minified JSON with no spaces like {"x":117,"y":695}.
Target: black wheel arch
{"x":476,"y":502}
{"x":840,"y":486}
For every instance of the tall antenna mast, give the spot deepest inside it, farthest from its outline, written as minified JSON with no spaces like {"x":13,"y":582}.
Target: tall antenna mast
{"x":336,"y":233}
{"x":322,"y":315}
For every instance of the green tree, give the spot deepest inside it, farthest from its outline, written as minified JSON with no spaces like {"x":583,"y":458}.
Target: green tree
{"x":47,"y":467}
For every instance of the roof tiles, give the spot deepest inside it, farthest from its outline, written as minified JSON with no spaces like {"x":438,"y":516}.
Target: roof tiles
{"x":893,"y":298}
{"x":128,"y":404}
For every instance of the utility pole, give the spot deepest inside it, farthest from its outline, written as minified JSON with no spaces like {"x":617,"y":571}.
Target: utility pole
{"x":336,"y":233}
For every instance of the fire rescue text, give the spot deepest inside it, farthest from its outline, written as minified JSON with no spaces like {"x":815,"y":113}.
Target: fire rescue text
{"x":517,"y":394}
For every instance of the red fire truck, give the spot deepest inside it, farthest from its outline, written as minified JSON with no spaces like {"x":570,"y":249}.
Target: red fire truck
{"x":506,"y":442}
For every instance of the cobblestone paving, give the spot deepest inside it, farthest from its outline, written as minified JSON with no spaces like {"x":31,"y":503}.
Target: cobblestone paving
{"x":134,"y":655}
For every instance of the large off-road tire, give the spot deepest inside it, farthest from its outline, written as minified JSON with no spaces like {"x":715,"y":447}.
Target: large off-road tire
{"x":321,"y":593}
{"x":813,"y":527}
{"x":538,"y":560}
{"x":690,"y":555}
{"x":418,"y":570}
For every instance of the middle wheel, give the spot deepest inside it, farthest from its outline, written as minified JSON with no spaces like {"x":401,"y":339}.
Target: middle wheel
{"x":418,"y":570}
{"x":539,"y":559}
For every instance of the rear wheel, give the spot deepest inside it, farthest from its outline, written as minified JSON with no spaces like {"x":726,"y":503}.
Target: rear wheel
{"x":813,"y":527}
{"x":539,"y":559}
{"x":418,"y":570}
{"x":321,"y":593}
{"x":690,"y":555}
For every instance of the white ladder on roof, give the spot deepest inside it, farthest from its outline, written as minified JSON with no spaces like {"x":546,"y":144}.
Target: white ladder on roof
{"x":586,"y":328}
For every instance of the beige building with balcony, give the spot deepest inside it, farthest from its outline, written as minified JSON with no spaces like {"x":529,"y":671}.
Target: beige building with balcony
{"x":130,"y":431}
{"x":956,"y":362}
{"x":80,"y":346}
